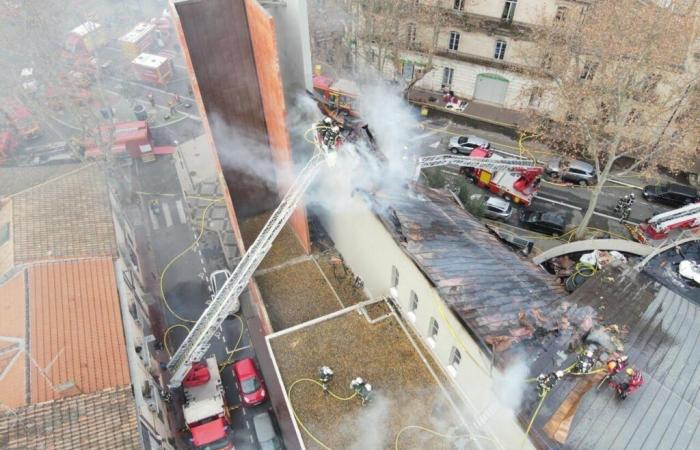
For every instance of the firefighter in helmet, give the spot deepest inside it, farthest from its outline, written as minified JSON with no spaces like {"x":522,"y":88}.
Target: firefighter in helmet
{"x":545,"y":383}
{"x":634,"y":381}
{"x":584,"y":363}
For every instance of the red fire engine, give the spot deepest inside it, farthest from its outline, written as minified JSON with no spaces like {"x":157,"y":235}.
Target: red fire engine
{"x":205,"y":408}
{"x":336,"y":98}
{"x":17,"y":119}
{"x":660,"y":225}
{"x":129,"y":138}
{"x":518,"y":185}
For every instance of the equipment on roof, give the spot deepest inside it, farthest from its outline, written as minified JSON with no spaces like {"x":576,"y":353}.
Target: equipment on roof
{"x":546,"y":383}
{"x":362,"y":388}
{"x":690,"y":270}
{"x":634,"y":382}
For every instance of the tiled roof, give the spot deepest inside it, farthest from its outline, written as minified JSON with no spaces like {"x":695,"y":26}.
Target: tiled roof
{"x":75,"y":323}
{"x":67,"y":217}
{"x":17,"y":179}
{"x":12,"y":340}
{"x":486,"y":284}
{"x":662,"y":341}
{"x":103,"y":420}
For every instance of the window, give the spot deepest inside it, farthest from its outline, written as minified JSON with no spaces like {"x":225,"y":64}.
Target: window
{"x":561,"y":13}
{"x":447,"y":74}
{"x":454,"y":41}
{"x":455,"y":357}
{"x":4,"y":233}
{"x":413,"y":302}
{"x":509,"y":10}
{"x":500,"y":52}
{"x":535,"y":97}
{"x":416,"y":2}
{"x":411,"y":33}
{"x":407,"y":70}
{"x":458,"y":5}
{"x":434,"y":328}
{"x":394,"y":276}
{"x":588,"y":71}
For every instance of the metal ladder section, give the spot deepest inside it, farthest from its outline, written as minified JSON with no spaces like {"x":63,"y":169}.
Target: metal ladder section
{"x":197,"y":342}
{"x":685,"y":212}
{"x":476,"y":163}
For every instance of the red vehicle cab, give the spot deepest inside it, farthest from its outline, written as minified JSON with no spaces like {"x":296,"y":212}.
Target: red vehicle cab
{"x":250,"y":383}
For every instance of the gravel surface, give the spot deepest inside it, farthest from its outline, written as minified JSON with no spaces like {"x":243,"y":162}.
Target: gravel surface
{"x":341,"y":278}
{"x":405,"y":392}
{"x":296,"y":294}
{"x":284,"y":248}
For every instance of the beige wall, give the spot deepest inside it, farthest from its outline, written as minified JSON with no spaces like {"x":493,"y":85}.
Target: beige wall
{"x":370,"y":251}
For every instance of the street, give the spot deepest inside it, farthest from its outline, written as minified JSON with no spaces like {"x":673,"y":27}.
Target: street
{"x":569,"y":200}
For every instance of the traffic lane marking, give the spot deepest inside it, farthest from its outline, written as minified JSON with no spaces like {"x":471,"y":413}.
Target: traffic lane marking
{"x":600,"y":214}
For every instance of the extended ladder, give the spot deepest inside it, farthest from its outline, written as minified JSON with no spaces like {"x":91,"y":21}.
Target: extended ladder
{"x":197,"y":341}
{"x":490,"y":164}
{"x":665,"y":221}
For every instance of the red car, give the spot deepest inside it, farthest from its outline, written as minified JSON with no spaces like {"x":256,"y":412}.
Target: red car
{"x":250,"y":383}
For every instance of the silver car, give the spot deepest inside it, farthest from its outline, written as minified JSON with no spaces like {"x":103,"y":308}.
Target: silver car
{"x":265,"y":432}
{"x":216,"y":282}
{"x":465,"y":144}
{"x":494,"y":207}
{"x":572,"y":170}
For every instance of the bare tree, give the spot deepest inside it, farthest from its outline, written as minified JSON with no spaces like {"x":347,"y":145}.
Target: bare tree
{"x":618,"y":87}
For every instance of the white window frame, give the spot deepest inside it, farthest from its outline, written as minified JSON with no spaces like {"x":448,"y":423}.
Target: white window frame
{"x":562,"y":12}
{"x":394,"y":277}
{"x":499,"y":52}
{"x":458,"y":5}
{"x":453,"y":42}
{"x":454,"y":360}
{"x":447,"y":76}
{"x":433,"y":331}
{"x":412,"y":306}
{"x":411,"y":33}
{"x":509,"y":10}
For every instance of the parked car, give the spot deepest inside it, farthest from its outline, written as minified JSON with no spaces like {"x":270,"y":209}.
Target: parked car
{"x":671,"y":194}
{"x":265,"y":432}
{"x":494,"y":207}
{"x":250,"y":384}
{"x":465,"y":144}
{"x":216,"y":282}
{"x":571,"y":170}
{"x":544,"y":222}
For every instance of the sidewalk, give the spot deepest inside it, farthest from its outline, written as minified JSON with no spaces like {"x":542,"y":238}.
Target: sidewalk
{"x":508,"y":120}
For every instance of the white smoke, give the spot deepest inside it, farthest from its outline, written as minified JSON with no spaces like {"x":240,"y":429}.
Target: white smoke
{"x":370,"y":426}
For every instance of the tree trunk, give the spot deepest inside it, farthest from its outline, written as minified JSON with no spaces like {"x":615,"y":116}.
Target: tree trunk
{"x":593,"y":200}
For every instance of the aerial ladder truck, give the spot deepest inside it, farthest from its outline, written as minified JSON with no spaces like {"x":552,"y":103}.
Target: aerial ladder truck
{"x":659,"y":226}
{"x":194,"y":347}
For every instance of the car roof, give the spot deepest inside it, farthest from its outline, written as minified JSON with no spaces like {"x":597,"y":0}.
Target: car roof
{"x":476,"y":139}
{"x":575,"y":164}
{"x":497,"y":202}
{"x":553,"y":218}
{"x":263,"y":426}
{"x":244,"y":368}
{"x":682,"y":189}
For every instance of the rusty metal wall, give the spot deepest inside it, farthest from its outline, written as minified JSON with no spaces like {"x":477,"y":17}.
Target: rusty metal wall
{"x":218,"y":38}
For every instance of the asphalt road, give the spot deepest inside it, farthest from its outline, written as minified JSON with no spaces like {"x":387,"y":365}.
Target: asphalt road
{"x":569,"y":200}
{"x":186,"y":286}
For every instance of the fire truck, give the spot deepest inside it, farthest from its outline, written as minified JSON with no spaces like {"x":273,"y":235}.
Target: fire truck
{"x":156,"y":70}
{"x":336,"y":98}
{"x":17,"y":119}
{"x":86,"y":38}
{"x":128,"y":139}
{"x":140,"y":39}
{"x":660,"y":225}
{"x":518,"y":184}
{"x":205,"y":410}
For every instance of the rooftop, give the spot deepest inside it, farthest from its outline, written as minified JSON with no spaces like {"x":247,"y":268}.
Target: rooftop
{"x":67,"y":314}
{"x":68,"y":216}
{"x":487,"y":285}
{"x":102,"y":420}
{"x":86,"y":28}
{"x":660,"y":330}
{"x":138,"y":32}
{"x":150,"y":60}
{"x":376,"y":347}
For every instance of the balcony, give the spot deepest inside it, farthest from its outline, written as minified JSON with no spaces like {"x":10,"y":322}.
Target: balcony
{"x":488,"y":24}
{"x":488,"y":62}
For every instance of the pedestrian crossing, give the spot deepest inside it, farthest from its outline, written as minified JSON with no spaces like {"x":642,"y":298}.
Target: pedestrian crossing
{"x":172,"y":212}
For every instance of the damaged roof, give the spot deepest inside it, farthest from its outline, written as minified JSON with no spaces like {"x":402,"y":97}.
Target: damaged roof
{"x":486,"y":284}
{"x":100,"y":420}
{"x":660,"y":331}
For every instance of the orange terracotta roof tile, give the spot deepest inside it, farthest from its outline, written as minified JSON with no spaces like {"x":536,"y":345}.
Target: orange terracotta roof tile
{"x":76,"y":332}
{"x":104,"y":420}
{"x":66,"y":217}
{"x":12,"y":339}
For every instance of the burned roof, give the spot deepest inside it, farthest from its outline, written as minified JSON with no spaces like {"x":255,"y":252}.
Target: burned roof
{"x":486,"y":284}
{"x":100,"y":420}
{"x":660,"y":331}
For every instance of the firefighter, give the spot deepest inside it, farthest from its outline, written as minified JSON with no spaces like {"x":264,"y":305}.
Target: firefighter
{"x":634,"y":381}
{"x":584,"y":363}
{"x":613,"y":367}
{"x":545,"y":383}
